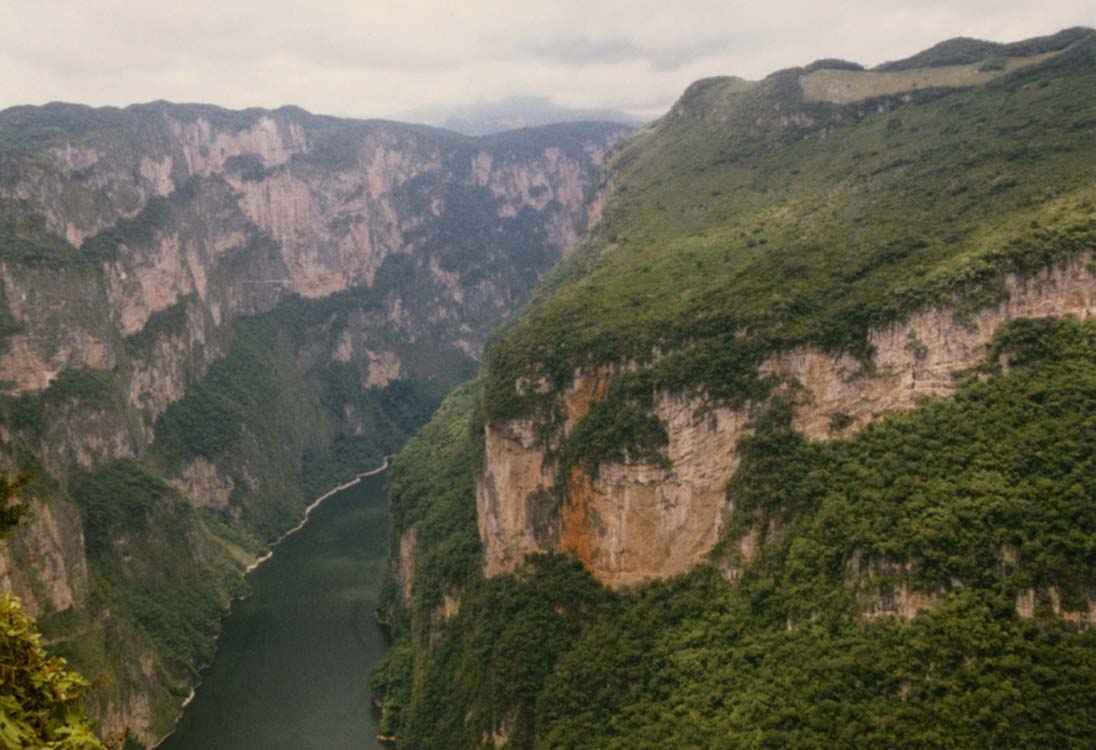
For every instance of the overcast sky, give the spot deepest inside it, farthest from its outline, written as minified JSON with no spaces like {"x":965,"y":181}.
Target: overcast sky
{"x":370,"y":58}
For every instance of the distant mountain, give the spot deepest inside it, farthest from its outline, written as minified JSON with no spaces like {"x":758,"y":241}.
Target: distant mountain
{"x":511,"y":113}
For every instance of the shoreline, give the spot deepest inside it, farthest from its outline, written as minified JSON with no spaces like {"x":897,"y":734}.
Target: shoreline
{"x":308,"y":512}
{"x":263,"y":558}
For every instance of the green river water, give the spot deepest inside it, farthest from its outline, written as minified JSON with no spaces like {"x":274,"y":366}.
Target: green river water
{"x":292,"y":665}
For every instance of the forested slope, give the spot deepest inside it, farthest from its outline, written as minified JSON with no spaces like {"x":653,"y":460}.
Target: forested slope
{"x":209,"y":317}
{"x":797,"y":449}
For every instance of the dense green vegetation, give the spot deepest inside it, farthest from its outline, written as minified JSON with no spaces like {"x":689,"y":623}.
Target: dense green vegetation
{"x":284,"y":396}
{"x":210,"y":417}
{"x":39,"y":695}
{"x":618,"y":427}
{"x":333,"y":424}
{"x":430,"y":486}
{"x":928,"y":501}
{"x":22,"y":244}
{"x":162,"y":324}
{"x":887,"y":604}
{"x":749,"y":221}
{"x":87,"y":388}
{"x":140,"y":230}
{"x":963,"y":51}
{"x":142,"y":539}
{"x":32,"y":127}
{"x":1009,"y":464}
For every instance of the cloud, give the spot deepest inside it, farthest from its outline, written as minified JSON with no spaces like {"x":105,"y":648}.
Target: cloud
{"x":578,"y":50}
{"x":374,"y":57}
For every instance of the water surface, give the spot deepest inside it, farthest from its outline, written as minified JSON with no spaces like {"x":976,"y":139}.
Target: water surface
{"x":292,"y":667}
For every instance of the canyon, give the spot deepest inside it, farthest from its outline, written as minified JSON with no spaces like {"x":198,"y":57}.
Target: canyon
{"x":235,"y":311}
{"x":795,"y":449}
{"x":769,"y":424}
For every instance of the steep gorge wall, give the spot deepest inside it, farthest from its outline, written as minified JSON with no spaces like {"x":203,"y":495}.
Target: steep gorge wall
{"x":638,"y":522}
{"x":687,"y":423}
{"x":335,"y":211}
{"x":368,"y":254}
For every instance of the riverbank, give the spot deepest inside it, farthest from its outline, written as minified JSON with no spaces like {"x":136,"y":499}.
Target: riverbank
{"x":315,"y":505}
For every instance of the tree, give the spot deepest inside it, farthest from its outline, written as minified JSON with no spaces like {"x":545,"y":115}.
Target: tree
{"x":39,"y":695}
{"x":10,"y":510}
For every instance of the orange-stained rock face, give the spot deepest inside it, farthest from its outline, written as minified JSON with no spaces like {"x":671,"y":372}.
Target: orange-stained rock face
{"x":579,"y":537}
{"x":633,"y":522}
{"x":638,"y":522}
{"x":642,"y":522}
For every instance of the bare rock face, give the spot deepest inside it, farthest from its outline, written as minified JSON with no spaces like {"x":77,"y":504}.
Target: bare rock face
{"x":203,"y":217}
{"x":203,"y":483}
{"x":151,"y":232}
{"x":639,"y":522}
{"x":1030,"y":601}
{"x":37,"y":564}
{"x":405,"y":567}
{"x":206,"y":148}
{"x":331,"y":213}
{"x":174,"y":361}
{"x":920,"y":357}
{"x":515,"y":477}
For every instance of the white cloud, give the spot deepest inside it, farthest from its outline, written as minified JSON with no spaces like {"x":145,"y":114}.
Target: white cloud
{"x":374,"y":57}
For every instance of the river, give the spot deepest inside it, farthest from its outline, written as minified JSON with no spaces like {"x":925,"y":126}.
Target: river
{"x":293,"y":662}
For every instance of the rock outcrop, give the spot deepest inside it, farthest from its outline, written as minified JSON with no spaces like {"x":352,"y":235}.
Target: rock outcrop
{"x":637,"y":522}
{"x":132,"y":244}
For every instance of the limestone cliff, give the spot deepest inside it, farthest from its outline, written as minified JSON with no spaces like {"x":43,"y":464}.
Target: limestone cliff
{"x":809,"y":410}
{"x":637,"y":522}
{"x":147,"y":252}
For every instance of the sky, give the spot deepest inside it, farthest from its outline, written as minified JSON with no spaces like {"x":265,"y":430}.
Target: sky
{"x":373,"y":58}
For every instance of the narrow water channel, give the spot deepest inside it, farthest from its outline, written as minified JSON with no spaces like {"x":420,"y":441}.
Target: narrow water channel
{"x":292,"y":666}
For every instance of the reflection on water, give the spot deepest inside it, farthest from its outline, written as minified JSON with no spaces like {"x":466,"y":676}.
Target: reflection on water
{"x":292,"y":666}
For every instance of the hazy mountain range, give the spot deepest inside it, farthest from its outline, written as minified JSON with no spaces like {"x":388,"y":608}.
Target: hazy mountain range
{"x":487,"y":117}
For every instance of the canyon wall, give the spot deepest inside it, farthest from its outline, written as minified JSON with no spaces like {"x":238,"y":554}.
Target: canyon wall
{"x":809,"y":408}
{"x":164,"y":264}
{"x":636,"y":522}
